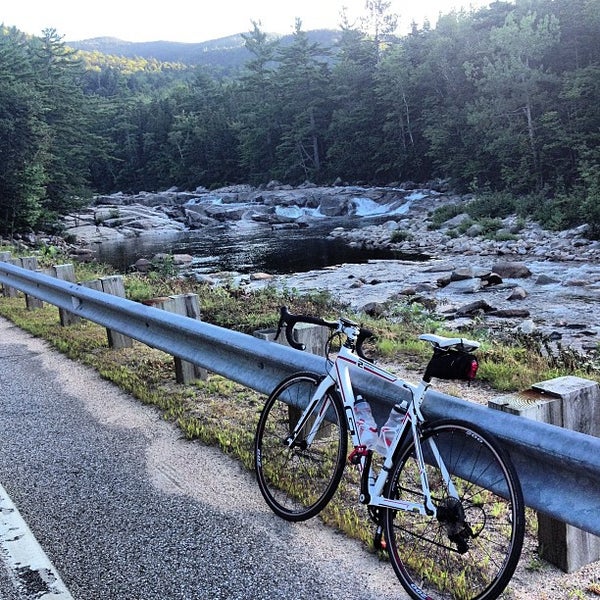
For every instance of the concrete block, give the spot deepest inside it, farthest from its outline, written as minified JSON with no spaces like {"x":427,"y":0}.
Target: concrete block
{"x":572,"y":403}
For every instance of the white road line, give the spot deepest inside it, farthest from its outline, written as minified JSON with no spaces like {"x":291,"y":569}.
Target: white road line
{"x":34,"y":575}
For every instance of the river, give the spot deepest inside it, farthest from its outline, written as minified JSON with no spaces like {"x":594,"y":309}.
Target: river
{"x":246,"y":249}
{"x":565,"y":304}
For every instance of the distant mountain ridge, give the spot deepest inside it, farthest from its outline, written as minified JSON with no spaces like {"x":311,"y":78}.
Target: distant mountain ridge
{"x":226,"y":52}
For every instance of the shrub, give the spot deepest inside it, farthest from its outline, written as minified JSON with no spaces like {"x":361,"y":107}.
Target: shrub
{"x":444,"y":213}
{"x":492,"y":204}
{"x":401,"y":235}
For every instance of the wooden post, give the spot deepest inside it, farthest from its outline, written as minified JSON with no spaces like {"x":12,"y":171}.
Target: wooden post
{"x":114,"y":285}
{"x":314,"y":338}
{"x":111,"y":285}
{"x":30,"y":263}
{"x":572,"y":403}
{"x":5,"y":257}
{"x":11,"y":292}
{"x":189,"y":306}
{"x":65,"y":273}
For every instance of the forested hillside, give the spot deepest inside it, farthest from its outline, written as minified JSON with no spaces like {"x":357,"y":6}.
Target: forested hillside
{"x":504,"y":101}
{"x":222,"y":53}
{"x":223,"y":56}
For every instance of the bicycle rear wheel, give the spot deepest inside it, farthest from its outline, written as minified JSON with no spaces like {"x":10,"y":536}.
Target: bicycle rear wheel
{"x":298,"y":481}
{"x":471,"y":548}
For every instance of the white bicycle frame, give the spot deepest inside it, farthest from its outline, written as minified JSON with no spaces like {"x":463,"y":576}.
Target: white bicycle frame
{"x":339,"y":375}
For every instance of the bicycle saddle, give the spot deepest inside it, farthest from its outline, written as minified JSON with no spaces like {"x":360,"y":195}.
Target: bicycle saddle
{"x":439,"y":341}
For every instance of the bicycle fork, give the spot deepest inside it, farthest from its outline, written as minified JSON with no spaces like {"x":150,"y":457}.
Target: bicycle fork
{"x":307,"y":416}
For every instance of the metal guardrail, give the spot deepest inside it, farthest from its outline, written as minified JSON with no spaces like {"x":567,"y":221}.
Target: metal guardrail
{"x":559,"y":469}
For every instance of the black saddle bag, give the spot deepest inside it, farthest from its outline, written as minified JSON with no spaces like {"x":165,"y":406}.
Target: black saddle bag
{"x":452,"y":364}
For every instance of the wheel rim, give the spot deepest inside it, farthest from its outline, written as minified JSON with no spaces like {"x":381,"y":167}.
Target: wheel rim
{"x":471,"y":549}
{"x":298,"y":481}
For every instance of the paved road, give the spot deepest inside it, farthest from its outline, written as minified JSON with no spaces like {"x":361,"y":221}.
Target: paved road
{"x":126,"y":509}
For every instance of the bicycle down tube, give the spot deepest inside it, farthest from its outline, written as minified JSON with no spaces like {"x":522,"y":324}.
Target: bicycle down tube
{"x":347,"y":359}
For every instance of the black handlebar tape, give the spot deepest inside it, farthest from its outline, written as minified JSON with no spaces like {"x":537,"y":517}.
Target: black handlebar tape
{"x":290,"y":321}
{"x":289,"y":335}
{"x":364,"y":335}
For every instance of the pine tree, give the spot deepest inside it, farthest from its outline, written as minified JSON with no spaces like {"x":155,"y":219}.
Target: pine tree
{"x":65,"y":112}
{"x":23,"y":135}
{"x":304,"y":106}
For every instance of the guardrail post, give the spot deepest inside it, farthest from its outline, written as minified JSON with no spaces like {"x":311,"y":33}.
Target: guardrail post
{"x":314,"y":337}
{"x":31,"y":264}
{"x":572,"y":403}
{"x":11,"y":292}
{"x":187,"y":305}
{"x":111,"y":285}
{"x":65,"y":273}
{"x":5,"y":257}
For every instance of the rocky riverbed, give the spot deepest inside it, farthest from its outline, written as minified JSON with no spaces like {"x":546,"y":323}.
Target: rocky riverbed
{"x":276,"y":206}
{"x":558,"y":300}
{"x":531,"y":280}
{"x":536,"y":281}
{"x":522,"y":277}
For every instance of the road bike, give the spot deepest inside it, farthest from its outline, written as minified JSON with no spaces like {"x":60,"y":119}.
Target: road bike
{"x":447,"y":502}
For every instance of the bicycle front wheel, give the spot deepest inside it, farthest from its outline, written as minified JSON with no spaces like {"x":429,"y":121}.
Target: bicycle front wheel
{"x":298,"y":480}
{"x":470,"y":548}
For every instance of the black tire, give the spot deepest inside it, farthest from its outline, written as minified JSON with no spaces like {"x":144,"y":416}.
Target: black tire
{"x":298,"y":482}
{"x":471,"y":549}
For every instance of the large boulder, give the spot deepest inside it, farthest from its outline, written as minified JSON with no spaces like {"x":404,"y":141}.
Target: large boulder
{"x":224,"y":212}
{"x":511,"y":270}
{"x":195,"y":219}
{"x":86,"y":234}
{"x":332,"y":206}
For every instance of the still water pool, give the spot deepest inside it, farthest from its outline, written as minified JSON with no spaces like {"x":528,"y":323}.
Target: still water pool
{"x":243,"y":250}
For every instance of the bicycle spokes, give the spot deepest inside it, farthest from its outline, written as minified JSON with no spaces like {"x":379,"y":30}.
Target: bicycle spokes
{"x":300,"y":457}
{"x":470,"y":548}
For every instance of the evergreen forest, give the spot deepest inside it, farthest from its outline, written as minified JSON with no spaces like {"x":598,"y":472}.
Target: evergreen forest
{"x":502,"y":101}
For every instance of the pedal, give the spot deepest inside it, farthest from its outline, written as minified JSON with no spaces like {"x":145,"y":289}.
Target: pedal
{"x":379,"y":542}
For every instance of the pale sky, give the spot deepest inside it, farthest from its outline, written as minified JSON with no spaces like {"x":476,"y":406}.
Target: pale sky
{"x":199,"y":20}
